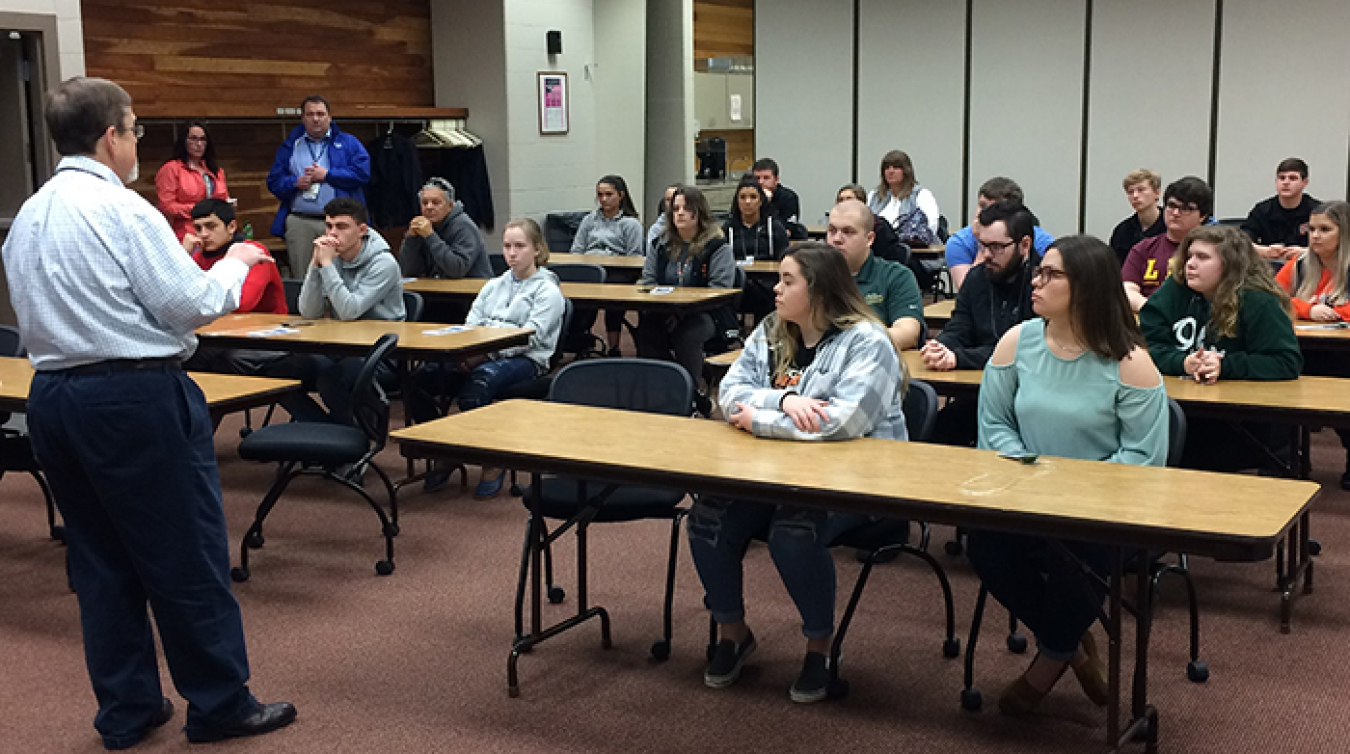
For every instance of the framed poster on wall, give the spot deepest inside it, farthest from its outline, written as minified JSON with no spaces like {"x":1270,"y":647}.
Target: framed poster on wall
{"x":553,"y":115}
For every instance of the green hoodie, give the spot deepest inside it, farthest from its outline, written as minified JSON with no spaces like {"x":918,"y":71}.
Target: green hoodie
{"x":1174,"y":321}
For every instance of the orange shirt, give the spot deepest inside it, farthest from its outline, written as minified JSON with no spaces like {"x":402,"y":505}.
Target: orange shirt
{"x":1303,"y":307}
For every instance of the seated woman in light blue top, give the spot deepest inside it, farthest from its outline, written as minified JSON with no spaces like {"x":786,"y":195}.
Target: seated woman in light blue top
{"x":1077,"y":383}
{"x":613,"y":229}
{"x":820,"y":368}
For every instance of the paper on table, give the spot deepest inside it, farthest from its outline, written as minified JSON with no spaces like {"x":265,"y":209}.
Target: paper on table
{"x":273,"y":332}
{"x":451,"y":330}
{"x":662,"y":290}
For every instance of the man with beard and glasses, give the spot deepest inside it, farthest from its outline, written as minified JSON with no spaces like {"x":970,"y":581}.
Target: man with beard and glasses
{"x":996,"y":295}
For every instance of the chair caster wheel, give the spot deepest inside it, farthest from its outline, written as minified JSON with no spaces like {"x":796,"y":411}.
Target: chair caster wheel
{"x":519,"y":648}
{"x":239,"y":574}
{"x":384,"y":567}
{"x":661,"y":649}
{"x":838,"y":689}
{"x":971,"y":700}
{"x":1197,"y":671}
{"x":710,"y":651}
{"x":1017,"y":643}
{"x":556,"y":595}
{"x":954,"y":548}
{"x":254,"y":540}
{"x":951,"y":648}
{"x":58,"y":533}
{"x":1314,"y":547}
{"x":391,"y":529}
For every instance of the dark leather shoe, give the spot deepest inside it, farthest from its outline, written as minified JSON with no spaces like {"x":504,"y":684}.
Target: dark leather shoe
{"x":164,"y":715}
{"x":265,"y":719}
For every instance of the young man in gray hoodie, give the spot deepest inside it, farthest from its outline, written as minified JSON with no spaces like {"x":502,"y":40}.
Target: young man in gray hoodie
{"x":352,"y":276}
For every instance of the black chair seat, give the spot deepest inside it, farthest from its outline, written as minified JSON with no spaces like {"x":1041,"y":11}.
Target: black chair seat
{"x":626,"y":503}
{"x":306,"y":443}
{"x":874,"y":536}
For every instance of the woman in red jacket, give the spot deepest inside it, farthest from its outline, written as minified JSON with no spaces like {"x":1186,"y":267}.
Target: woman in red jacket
{"x":191,"y":175}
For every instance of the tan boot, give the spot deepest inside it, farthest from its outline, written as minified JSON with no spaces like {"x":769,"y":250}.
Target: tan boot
{"x":1091,"y":672}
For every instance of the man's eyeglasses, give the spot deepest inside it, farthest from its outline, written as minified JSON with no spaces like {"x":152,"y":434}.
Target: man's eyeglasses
{"x":136,"y":130}
{"x":1181,"y":209}
{"x":1047,"y":275}
{"x":997,"y":247}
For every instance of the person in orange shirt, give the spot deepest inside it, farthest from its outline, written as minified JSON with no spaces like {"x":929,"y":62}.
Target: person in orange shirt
{"x":1318,"y":282}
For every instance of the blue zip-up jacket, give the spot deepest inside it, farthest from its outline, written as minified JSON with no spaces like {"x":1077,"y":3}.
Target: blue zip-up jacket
{"x":348,"y":172}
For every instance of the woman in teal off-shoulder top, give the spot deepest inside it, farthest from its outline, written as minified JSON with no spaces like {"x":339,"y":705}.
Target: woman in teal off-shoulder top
{"x":1076,"y":383}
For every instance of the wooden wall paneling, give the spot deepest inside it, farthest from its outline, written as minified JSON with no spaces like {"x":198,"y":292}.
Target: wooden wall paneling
{"x":724,"y":28}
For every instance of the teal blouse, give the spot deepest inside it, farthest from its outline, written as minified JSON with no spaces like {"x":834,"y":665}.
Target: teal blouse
{"x":1075,"y":408}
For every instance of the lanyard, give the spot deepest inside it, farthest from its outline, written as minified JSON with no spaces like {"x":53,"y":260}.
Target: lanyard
{"x":323,"y":149}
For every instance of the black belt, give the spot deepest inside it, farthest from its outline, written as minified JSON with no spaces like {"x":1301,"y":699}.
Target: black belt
{"x":123,"y":365}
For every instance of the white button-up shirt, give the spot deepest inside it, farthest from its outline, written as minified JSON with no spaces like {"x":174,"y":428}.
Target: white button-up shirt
{"x":95,"y":273}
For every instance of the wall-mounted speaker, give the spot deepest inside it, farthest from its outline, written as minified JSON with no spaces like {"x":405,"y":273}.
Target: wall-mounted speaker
{"x":555,"y":42}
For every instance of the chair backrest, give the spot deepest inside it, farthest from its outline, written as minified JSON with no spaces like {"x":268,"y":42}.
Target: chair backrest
{"x":292,"y":289}
{"x":10,"y":342}
{"x":413,"y":304}
{"x":659,"y":387}
{"x":370,"y":406}
{"x":1234,"y":221}
{"x":579,"y":273}
{"x":498,"y":263}
{"x":921,"y":409}
{"x":560,"y":228}
{"x":1176,"y":432}
{"x":559,"y":351}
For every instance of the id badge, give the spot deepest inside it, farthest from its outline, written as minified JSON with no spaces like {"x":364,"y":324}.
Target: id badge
{"x":312,"y":192}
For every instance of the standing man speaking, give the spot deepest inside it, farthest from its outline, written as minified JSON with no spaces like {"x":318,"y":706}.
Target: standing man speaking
{"x":107,"y":303}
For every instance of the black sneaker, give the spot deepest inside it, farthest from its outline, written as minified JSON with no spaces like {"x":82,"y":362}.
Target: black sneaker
{"x":814,"y":682}
{"x":727,"y":661}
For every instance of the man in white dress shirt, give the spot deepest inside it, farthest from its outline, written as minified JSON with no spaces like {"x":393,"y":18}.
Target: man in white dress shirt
{"x":107,"y":304}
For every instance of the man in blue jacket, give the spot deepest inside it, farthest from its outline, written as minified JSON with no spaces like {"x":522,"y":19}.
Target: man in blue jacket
{"x":315,"y":164}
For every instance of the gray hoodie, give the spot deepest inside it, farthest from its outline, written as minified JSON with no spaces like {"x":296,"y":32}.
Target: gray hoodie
{"x":368,"y":287}
{"x":535,"y":302}
{"x":455,"y":249}
{"x":618,"y":236}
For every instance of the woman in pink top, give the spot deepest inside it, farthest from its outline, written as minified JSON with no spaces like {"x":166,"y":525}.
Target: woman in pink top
{"x":191,"y":175}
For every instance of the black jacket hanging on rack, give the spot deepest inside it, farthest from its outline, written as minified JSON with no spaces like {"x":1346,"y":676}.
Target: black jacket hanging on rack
{"x":395,"y":179}
{"x":466,"y":169}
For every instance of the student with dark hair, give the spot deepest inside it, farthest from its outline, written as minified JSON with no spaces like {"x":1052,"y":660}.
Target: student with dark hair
{"x":191,"y":175}
{"x":691,"y":253}
{"x":1187,"y":204}
{"x":995,"y":298}
{"x":658,"y":226}
{"x":786,"y":205}
{"x":754,"y":232}
{"x":885,"y":243}
{"x":612,"y":229}
{"x":1141,"y":188}
{"x":1318,"y":283}
{"x":1221,"y":315}
{"x":820,"y":368}
{"x":911,"y":209}
{"x":1077,"y":382}
{"x":214,"y":231}
{"x":963,"y":246}
{"x":1279,"y":225}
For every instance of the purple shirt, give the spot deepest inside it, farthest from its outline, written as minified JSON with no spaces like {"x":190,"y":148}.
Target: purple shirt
{"x":1146,"y":266}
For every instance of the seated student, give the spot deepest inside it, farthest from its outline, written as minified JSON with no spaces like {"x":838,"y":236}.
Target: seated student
{"x":612,"y":229}
{"x":885,"y":243}
{"x":214,"y":231}
{"x":691,"y":253}
{"x":995,"y":297}
{"x":911,"y":209}
{"x":1141,"y":188}
{"x":1318,"y":283}
{"x":1279,"y":225}
{"x":658,"y":227}
{"x":526,"y":295}
{"x":786,"y":206}
{"x":820,"y":368}
{"x":889,"y":288}
{"x":1220,"y":313}
{"x":753,"y":232}
{"x":443,"y":242}
{"x":1187,"y":204}
{"x":1077,"y":383}
{"x":962,"y":247}
{"x":352,"y":275}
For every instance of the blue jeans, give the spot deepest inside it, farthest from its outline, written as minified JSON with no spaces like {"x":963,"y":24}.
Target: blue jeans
{"x":471,"y":390}
{"x":799,"y":541}
{"x":1039,"y":586}
{"x":132,"y":465}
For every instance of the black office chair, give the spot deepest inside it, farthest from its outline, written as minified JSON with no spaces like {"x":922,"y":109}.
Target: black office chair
{"x":879,"y":539}
{"x":583,"y":343}
{"x":1196,"y":670}
{"x":560,"y":228}
{"x":292,"y":288}
{"x":16,"y":448}
{"x":637,"y":385}
{"x":413,"y":306}
{"x":321,"y":448}
{"x":537,"y":388}
{"x":498,"y":263}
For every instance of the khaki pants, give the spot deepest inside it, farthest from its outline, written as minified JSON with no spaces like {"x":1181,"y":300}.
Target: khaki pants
{"x":300,"y":234}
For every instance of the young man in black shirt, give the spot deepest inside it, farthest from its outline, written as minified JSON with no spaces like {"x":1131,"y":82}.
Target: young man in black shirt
{"x":1142,"y":188}
{"x":1279,"y":225}
{"x":784,"y":200}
